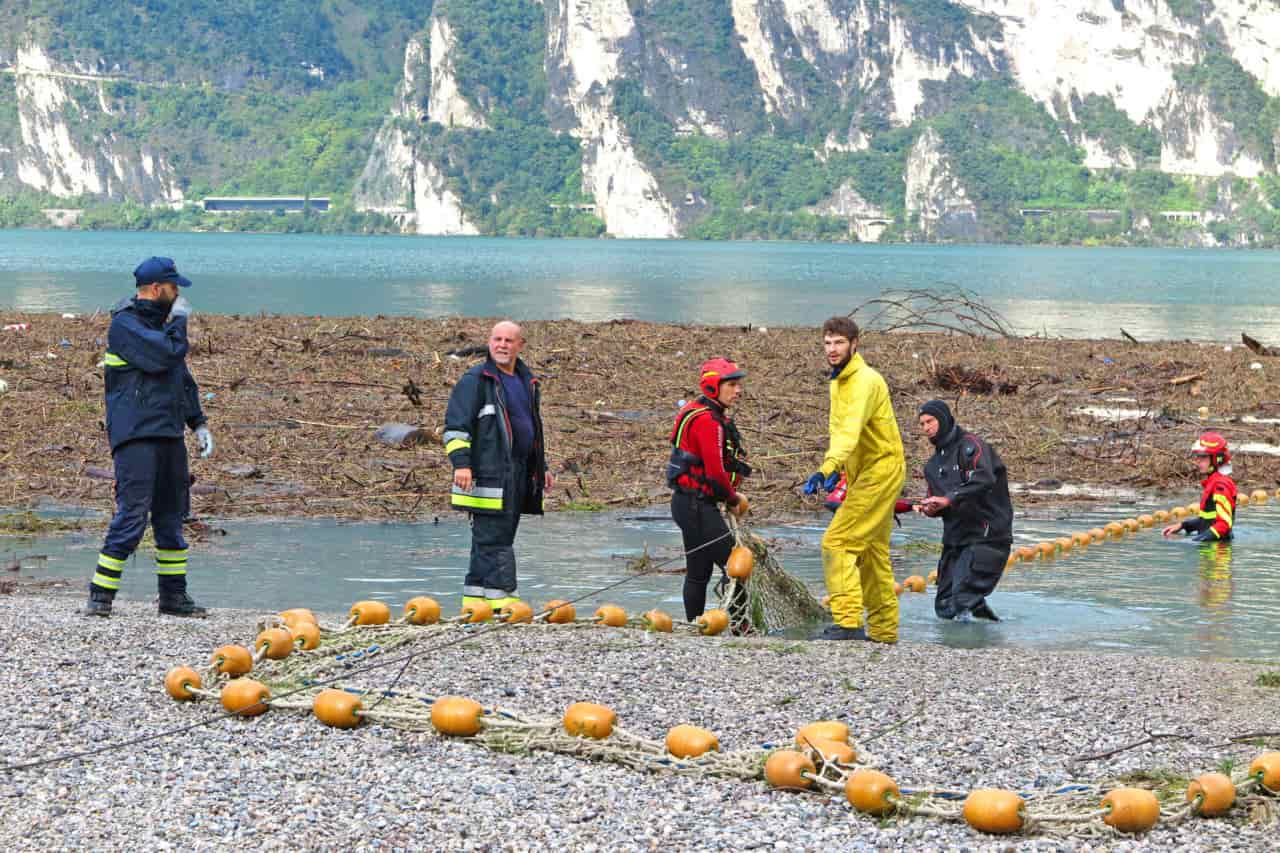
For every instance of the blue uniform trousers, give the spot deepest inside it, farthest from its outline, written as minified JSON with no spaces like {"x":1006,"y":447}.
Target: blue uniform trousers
{"x":151,"y":479}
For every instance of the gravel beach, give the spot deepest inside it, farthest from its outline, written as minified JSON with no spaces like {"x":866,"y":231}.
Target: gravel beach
{"x":933,"y":717}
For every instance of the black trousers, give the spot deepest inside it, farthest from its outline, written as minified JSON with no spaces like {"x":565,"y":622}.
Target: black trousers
{"x":492,"y":570}
{"x":700,"y":522}
{"x":967,"y":574}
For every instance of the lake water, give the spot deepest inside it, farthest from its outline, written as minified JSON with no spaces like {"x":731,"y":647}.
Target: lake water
{"x":1139,"y":595}
{"x":1152,"y":293}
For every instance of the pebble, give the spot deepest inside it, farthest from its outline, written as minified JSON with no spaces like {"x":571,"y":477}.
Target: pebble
{"x":991,"y":717}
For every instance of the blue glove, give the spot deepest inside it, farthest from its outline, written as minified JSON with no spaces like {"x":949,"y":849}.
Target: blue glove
{"x":814,"y":483}
{"x":832,"y":481}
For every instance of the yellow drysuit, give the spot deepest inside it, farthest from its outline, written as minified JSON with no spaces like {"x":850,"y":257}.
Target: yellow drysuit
{"x":867,"y":447}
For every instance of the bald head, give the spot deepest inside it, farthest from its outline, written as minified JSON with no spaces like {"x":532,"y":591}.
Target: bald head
{"x":505,"y":342}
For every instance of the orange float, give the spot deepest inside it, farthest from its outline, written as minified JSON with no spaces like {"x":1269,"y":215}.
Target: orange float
{"x":515,"y":611}
{"x":179,"y":681}
{"x":611,"y":615}
{"x":1265,"y":769}
{"x":1097,"y":534}
{"x":1160,"y":516}
{"x":1132,"y":525}
{"x":657,"y":620}
{"x":915,"y":583}
{"x":306,"y":636}
{"x":1026,"y":552}
{"x":245,"y":697}
{"x":685,"y":741}
{"x":822,"y":730}
{"x":995,"y":811}
{"x":741,"y":562}
{"x":559,"y":612}
{"x":291,"y":618}
{"x":422,"y":610}
{"x":1131,"y":809}
{"x":1046,"y":550}
{"x":1065,"y":543}
{"x":831,"y":750}
{"x":1215,"y":791}
{"x":742,"y":507}
{"x":897,"y":588}
{"x":476,"y":611}
{"x":1242,"y":499}
{"x":587,"y":719}
{"x":871,"y":792}
{"x":1114,"y":529}
{"x":1146,"y":520}
{"x":1257,"y":496}
{"x":713,"y":622}
{"x":1178,"y":512}
{"x":370,"y":613}
{"x":337,"y":708}
{"x":274,"y":643}
{"x":786,"y":768}
{"x":234,"y":661}
{"x":933,"y":576}
{"x":457,"y":716}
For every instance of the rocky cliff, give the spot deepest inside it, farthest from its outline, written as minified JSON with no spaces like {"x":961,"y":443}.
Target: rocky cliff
{"x":709,"y":118}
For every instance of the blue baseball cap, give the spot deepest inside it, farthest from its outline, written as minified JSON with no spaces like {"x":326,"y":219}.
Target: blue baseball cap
{"x":154,"y":270}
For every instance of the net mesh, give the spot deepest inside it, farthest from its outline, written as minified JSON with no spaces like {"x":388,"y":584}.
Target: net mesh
{"x":771,"y":599}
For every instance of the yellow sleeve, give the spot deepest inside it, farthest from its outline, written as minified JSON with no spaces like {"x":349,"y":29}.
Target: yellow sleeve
{"x":846,"y":434}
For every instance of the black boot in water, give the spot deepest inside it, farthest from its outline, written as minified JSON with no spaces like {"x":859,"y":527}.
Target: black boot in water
{"x":99,"y":603}
{"x":174,"y":600}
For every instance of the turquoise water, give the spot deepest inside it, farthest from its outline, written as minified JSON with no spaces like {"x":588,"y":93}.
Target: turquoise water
{"x":1152,"y":293}
{"x":1142,"y":595}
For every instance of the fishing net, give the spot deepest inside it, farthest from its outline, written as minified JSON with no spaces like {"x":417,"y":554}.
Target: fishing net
{"x":771,"y":599}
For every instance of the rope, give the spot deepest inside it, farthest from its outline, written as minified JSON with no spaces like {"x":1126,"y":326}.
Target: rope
{"x":490,"y":630}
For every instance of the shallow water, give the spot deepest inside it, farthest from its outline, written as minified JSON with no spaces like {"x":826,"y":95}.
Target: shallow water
{"x":1153,"y":293}
{"x":1139,"y":595}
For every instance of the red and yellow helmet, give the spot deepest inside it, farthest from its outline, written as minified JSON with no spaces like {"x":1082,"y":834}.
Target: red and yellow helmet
{"x":714,"y":372}
{"x":1214,"y":446}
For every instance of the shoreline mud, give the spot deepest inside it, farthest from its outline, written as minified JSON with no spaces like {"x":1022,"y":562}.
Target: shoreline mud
{"x":295,"y":404}
{"x":933,"y":718}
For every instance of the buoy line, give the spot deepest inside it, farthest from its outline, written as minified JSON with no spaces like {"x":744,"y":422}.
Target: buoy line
{"x":235,"y":661}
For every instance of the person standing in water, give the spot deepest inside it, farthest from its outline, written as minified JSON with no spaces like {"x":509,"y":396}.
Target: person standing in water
{"x":707,"y":465}
{"x":969,"y":490}
{"x":1217,"y":493}
{"x":866,"y":447}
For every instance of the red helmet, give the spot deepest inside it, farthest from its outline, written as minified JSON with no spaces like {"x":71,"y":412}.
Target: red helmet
{"x":714,"y":372}
{"x":1214,"y":446}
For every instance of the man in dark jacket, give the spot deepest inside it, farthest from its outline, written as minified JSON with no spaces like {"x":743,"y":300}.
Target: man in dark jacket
{"x":493,"y":435}
{"x":151,"y":396}
{"x":969,"y":489}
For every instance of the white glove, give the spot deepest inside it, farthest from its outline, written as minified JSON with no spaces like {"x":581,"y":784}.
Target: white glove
{"x":206,"y":442}
{"x":180,"y":308}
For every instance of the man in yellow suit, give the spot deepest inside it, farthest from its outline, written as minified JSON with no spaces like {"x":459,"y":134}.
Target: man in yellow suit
{"x":866,"y":447}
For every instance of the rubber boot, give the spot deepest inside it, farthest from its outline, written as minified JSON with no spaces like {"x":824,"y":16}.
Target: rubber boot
{"x":839,"y":632}
{"x":99,"y":603}
{"x":174,"y":600}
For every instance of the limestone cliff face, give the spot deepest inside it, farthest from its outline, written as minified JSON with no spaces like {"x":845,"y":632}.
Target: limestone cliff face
{"x":58,"y":151}
{"x":867,"y":222}
{"x":398,"y":179}
{"x":589,"y":44}
{"x":935,"y":195}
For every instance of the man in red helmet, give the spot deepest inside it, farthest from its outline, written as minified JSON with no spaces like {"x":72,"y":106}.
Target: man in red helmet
{"x":1217,"y":492}
{"x":707,"y":464}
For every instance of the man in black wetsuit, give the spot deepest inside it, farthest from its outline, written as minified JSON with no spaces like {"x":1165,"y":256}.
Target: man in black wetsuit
{"x":969,"y":489}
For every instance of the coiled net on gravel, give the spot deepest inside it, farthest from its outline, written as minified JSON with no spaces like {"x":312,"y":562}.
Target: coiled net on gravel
{"x":771,"y":599}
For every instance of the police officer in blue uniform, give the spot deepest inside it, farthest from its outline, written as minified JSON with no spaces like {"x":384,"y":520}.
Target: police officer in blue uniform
{"x":151,"y":396}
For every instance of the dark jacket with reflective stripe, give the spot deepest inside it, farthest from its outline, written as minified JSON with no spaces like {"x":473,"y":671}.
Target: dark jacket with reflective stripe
{"x":150,"y":392}
{"x":477,"y":435}
{"x":970,"y":473}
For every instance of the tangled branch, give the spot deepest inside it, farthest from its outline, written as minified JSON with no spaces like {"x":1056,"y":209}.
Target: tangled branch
{"x":953,"y":310}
